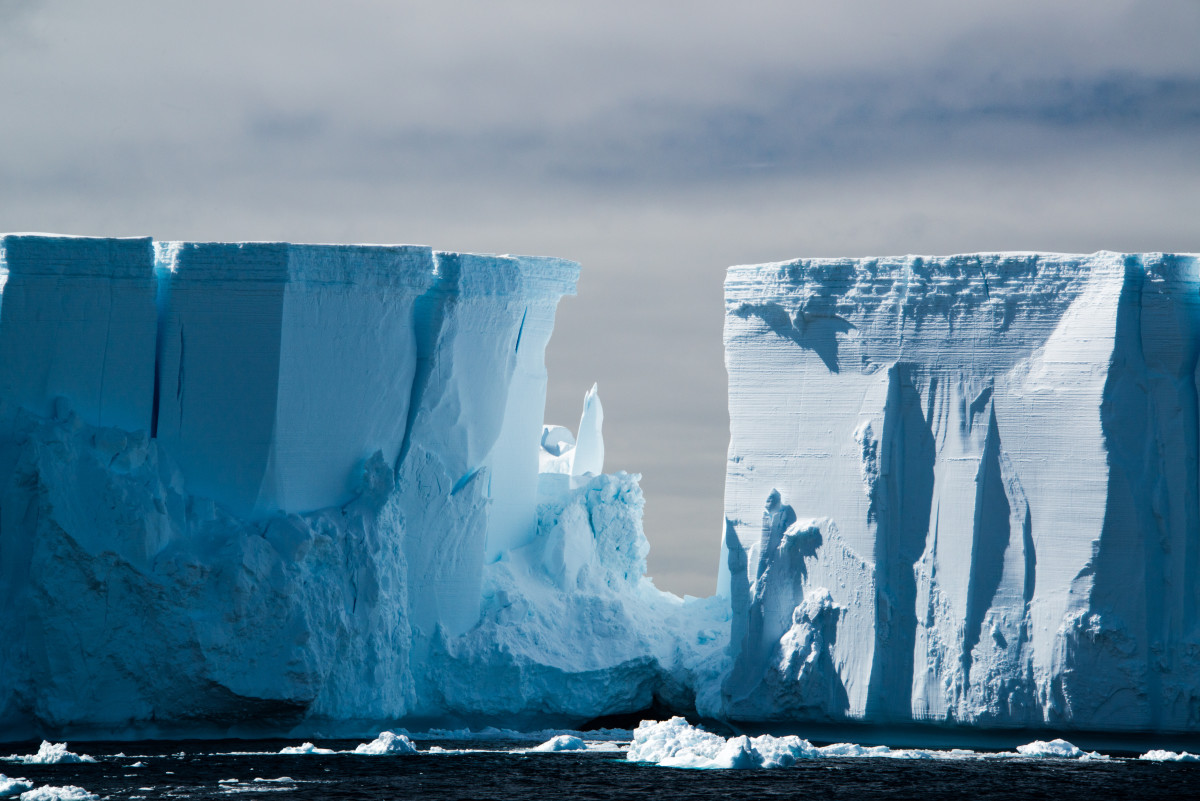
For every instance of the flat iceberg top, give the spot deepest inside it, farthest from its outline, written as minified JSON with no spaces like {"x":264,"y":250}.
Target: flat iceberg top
{"x":473,"y":274}
{"x":1026,"y":271}
{"x":284,"y":262}
{"x":55,"y":255}
{"x":911,"y":307}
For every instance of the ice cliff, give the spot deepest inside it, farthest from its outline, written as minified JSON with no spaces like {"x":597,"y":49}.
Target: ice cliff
{"x":265,"y":488}
{"x":261,"y":487}
{"x":965,"y":490}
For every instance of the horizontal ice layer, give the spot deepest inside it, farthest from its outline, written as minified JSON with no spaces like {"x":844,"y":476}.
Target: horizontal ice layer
{"x":964,"y":489}
{"x":77,"y":322}
{"x":283,"y":367}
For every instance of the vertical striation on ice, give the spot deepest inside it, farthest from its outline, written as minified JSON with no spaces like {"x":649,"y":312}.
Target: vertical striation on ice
{"x":305,"y":493}
{"x":986,"y":466}
{"x":77,"y":330}
{"x":283,"y":367}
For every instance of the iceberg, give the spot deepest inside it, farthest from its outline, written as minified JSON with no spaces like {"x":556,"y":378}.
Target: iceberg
{"x":49,"y":753}
{"x":387,"y":743}
{"x":675,"y":743}
{"x":305,"y":748}
{"x":962,"y":491}
{"x":68,"y":792}
{"x":1057,"y":748}
{"x":561,"y":742}
{"x":289,"y":489}
{"x":1158,"y":755}
{"x":309,"y":491}
{"x":10,"y":786}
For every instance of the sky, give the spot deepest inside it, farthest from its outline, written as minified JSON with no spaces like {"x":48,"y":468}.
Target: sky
{"x":657,"y":143}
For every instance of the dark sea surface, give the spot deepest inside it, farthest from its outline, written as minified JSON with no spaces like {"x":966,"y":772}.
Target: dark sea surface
{"x":496,"y":769}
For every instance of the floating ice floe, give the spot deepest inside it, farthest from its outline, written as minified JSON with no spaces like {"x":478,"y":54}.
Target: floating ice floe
{"x":675,"y":743}
{"x":387,"y":743}
{"x":493,"y":733}
{"x":10,"y":787}
{"x":67,"y":792}
{"x":856,"y":750}
{"x":562,"y":742}
{"x":1058,"y":749}
{"x":306,"y":748}
{"x":50,"y":754}
{"x":1157,"y":755}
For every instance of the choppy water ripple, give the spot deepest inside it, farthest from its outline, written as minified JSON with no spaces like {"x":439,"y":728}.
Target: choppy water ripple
{"x":502,"y":769}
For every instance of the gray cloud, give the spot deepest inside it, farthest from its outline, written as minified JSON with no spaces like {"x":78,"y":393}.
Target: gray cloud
{"x":655,"y":143}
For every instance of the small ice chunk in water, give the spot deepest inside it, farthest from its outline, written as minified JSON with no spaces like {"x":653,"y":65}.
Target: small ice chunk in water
{"x":562,"y":742}
{"x":387,"y":743}
{"x":306,"y":748}
{"x":1055,"y":748}
{"x":50,"y":754}
{"x":67,"y":792}
{"x":10,"y":787}
{"x":1157,"y":755}
{"x":675,"y":743}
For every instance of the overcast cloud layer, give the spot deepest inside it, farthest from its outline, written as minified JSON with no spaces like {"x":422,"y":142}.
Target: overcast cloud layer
{"x":656,"y":143}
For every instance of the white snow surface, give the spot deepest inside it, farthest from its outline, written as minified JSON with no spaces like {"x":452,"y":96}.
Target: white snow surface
{"x":962,"y":490}
{"x":387,"y":743}
{"x":10,"y":786}
{"x":49,"y":753}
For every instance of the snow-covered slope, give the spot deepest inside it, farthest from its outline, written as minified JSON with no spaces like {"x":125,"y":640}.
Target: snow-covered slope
{"x":965,"y":489}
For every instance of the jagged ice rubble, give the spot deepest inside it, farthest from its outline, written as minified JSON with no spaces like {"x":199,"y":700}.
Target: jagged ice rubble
{"x":265,"y":488}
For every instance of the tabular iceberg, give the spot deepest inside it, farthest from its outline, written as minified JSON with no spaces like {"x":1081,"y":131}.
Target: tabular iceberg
{"x":264,"y":487}
{"x":965,"y":490}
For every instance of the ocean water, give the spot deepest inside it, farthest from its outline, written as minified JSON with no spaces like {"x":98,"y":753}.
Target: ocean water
{"x":497,"y":769}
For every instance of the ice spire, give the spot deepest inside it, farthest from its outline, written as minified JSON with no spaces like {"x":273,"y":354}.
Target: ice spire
{"x":589,"y":447}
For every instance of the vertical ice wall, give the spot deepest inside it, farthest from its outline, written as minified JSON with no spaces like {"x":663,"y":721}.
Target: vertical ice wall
{"x":77,"y":322}
{"x":964,"y":489}
{"x":283,"y":367}
{"x":514,"y":468}
{"x":470,"y":461}
{"x":364,"y":417}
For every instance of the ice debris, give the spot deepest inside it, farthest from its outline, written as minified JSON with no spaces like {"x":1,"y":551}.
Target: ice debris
{"x":562,"y":742}
{"x":50,"y":754}
{"x":13,"y":786}
{"x":387,"y":743}
{"x":306,"y":748}
{"x":1053,"y":748}
{"x":675,"y":743}
{"x":67,"y":792}
{"x":1156,"y":755}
